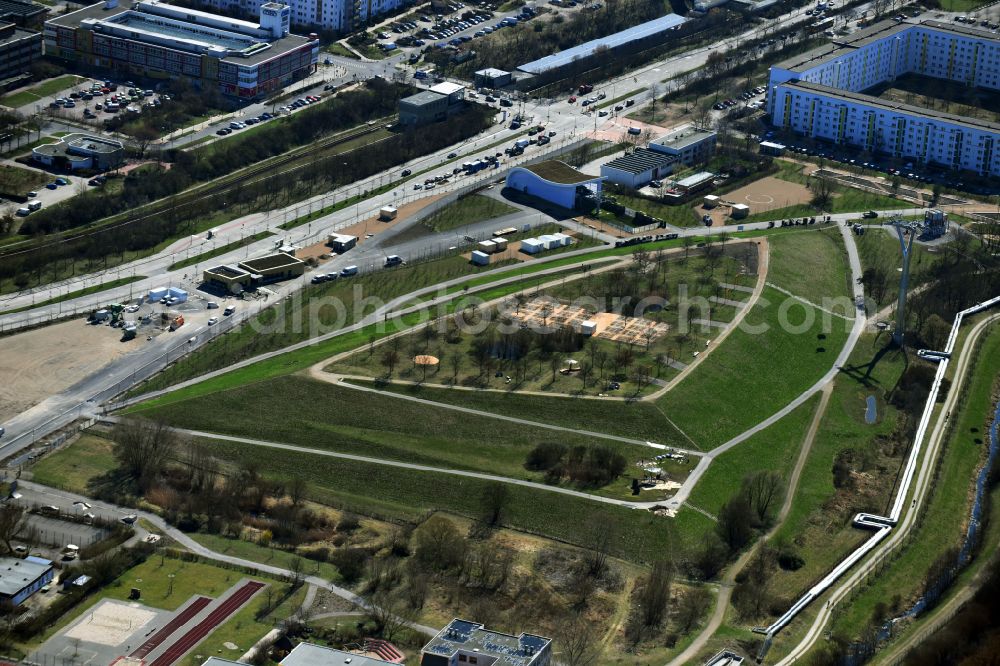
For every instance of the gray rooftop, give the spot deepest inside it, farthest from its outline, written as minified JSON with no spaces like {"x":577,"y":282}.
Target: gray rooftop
{"x":640,"y":161}
{"x":17,"y":35}
{"x":17,"y":574}
{"x":11,"y":8}
{"x":641,"y":31}
{"x":874,"y":33}
{"x":216,"y":661}
{"x":683,"y":137}
{"x":126,"y":16}
{"x":423,"y":98}
{"x":507,"y":649}
{"x":869,"y":100}
{"x":307,"y":654}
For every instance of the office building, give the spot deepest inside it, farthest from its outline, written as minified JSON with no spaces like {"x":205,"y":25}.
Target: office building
{"x":81,"y":151}
{"x":691,"y":145}
{"x":150,"y":38}
{"x":23,"y":13}
{"x":18,"y":49}
{"x":470,"y":643}
{"x":820,"y":93}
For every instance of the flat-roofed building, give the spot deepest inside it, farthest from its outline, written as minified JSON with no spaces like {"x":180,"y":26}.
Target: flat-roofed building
{"x":18,"y":50}
{"x":81,"y":151}
{"x":638,"y":168}
{"x":465,"y":643}
{"x":690,"y":144}
{"x":19,"y":579}
{"x":309,"y":654}
{"x":433,"y":105}
{"x":491,"y":77}
{"x":231,"y":279}
{"x":23,"y":13}
{"x":273,"y":268}
{"x":150,"y":38}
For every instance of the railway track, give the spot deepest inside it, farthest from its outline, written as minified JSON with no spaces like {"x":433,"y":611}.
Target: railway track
{"x":212,"y":190}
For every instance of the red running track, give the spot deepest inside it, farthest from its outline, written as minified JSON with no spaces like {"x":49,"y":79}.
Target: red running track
{"x":179,"y":621}
{"x":203,"y":628}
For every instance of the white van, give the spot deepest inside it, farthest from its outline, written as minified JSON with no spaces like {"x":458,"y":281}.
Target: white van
{"x":34,"y":205}
{"x":348,"y":271}
{"x":23,"y":212}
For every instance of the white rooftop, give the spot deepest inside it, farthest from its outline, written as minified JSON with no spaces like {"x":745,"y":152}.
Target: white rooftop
{"x":447,"y":88}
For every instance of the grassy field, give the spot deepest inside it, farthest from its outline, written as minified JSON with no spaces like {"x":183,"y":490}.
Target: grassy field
{"x":946,"y":517}
{"x":680,"y":216}
{"x":365,"y":424}
{"x":218,"y":251}
{"x":812,"y":265}
{"x":741,"y":384}
{"x":467,"y":210}
{"x":821,"y":531}
{"x":395,"y":493}
{"x":274,"y":557}
{"x":339,"y":49}
{"x":638,"y":420}
{"x":16,"y":180}
{"x":72,"y":467}
{"x":86,"y":291}
{"x":43,"y":89}
{"x":775,"y":448}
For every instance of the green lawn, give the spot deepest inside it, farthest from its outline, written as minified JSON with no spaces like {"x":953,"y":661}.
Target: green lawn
{"x":361,"y":423}
{"x":945,"y":519}
{"x":682,"y":215}
{"x":467,"y":210}
{"x":759,"y":368}
{"x":812,"y":265}
{"x":72,"y":467}
{"x":637,"y":420}
{"x":879,"y":248}
{"x":264,"y":555}
{"x":215,"y":252}
{"x":775,"y":448}
{"x":339,"y":49}
{"x":43,"y":89}
{"x":19,"y":181}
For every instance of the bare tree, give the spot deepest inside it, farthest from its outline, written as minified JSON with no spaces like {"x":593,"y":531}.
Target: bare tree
{"x":762,"y":489}
{"x":13,"y":524}
{"x":389,"y":359}
{"x":142,"y":449}
{"x":494,"y":502}
{"x":297,"y":489}
{"x":578,"y":643}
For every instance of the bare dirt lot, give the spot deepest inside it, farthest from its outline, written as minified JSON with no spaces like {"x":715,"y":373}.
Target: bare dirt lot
{"x":762,"y":195}
{"x":40,"y":363}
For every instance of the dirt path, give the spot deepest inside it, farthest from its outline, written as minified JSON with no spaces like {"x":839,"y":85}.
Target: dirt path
{"x":729,"y":579}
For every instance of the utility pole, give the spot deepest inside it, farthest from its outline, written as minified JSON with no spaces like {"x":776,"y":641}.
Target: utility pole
{"x":905,"y":245}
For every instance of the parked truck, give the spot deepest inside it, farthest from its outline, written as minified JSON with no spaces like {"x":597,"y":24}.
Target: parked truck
{"x":177,"y":322}
{"x":584,"y":89}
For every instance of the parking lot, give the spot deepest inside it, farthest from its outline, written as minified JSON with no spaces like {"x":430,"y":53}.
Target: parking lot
{"x":58,"y":533}
{"x":449,"y":32}
{"x":96,"y":100}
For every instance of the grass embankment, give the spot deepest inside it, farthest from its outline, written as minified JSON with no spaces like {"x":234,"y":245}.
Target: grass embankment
{"x":780,"y":349}
{"x":274,"y":557}
{"x":775,"y":448}
{"x":43,"y":89}
{"x":72,"y":467}
{"x":762,"y":366}
{"x":218,"y":251}
{"x":18,"y":181}
{"x":86,"y":291}
{"x":402,"y":494}
{"x":345,"y":420}
{"x":878,"y":249}
{"x":467,"y":210}
{"x":946,"y":517}
{"x":794,"y":266}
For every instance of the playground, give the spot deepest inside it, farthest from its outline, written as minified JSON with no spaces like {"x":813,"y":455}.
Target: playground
{"x":762,"y":195}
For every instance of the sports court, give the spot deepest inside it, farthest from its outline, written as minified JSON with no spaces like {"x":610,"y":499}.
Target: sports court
{"x":129,"y":632}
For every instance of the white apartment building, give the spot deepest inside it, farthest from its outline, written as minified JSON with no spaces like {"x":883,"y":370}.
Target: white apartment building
{"x":338,"y":15}
{"x":817,"y":93}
